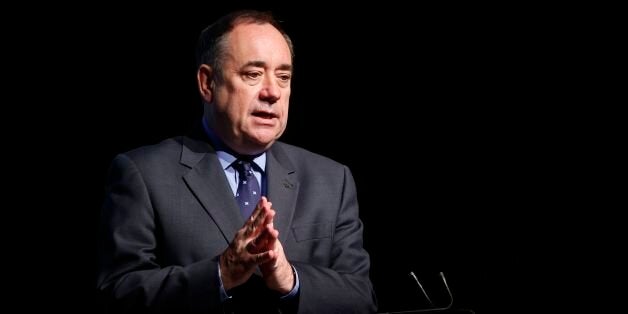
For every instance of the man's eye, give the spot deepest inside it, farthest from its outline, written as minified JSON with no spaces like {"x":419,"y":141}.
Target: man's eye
{"x":253,"y":75}
{"x":285,"y":77}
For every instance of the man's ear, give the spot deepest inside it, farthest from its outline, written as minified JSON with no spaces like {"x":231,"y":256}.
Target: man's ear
{"x":204,"y":78}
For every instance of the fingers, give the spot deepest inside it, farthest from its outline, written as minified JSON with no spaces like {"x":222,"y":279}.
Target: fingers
{"x":265,"y":257}
{"x":261,"y":216}
{"x":277,"y":272}
{"x":257,"y":235}
{"x":279,"y":257}
{"x":260,"y":207}
{"x":259,"y":224}
{"x":265,"y":240}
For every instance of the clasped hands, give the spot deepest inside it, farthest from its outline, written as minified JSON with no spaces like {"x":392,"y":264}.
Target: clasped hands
{"x":257,"y":244}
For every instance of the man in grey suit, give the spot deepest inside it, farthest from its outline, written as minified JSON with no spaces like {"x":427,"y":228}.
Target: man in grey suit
{"x":173,"y":236}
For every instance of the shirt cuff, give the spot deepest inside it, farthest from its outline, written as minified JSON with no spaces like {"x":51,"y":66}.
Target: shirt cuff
{"x":223,"y":293}
{"x":224,"y":296}
{"x":294,"y":290}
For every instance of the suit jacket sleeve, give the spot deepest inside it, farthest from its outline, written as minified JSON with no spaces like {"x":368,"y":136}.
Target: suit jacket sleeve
{"x":129,"y":274}
{"x":344,"y":287}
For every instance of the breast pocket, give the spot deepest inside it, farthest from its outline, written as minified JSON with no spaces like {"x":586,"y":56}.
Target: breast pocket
{"x":312,"y":231}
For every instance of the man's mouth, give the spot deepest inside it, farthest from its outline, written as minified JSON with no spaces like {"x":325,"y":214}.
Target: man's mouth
{"x":264,"y":114}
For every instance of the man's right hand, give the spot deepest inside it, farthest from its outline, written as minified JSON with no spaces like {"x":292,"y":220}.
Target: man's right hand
{"x":251,"y":247}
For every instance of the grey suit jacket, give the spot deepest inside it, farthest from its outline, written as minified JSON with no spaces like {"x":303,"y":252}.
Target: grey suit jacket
{"x":169,"y":213}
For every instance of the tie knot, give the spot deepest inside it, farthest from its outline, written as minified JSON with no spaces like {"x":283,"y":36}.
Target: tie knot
{"x":243,"y":167}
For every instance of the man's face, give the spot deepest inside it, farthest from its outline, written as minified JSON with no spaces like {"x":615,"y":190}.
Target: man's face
{"x":251,"y":96}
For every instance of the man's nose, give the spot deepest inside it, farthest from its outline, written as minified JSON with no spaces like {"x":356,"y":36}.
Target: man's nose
{"x":270,"y":91}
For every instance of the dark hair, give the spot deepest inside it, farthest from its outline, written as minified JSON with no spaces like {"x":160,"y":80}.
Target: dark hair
{"x":211,"y":42}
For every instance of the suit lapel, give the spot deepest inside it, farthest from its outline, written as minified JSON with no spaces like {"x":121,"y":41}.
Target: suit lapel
{"x":206,"y":179}
{"x":283,"y":188}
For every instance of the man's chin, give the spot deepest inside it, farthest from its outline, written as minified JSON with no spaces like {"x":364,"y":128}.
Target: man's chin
{"x":258,"y":145}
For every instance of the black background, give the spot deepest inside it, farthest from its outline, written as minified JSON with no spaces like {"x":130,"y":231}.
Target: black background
{"x":450,"y":97}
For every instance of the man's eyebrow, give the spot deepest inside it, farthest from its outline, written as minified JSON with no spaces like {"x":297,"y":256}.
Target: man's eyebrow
{"x":285,"y":67}
{"x":262,"y":64}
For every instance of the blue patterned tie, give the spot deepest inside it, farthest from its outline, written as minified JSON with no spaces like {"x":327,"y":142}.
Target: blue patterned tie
{"x":248,"y":193}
